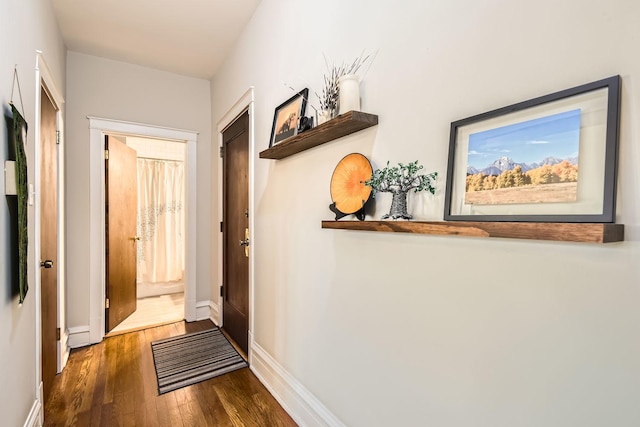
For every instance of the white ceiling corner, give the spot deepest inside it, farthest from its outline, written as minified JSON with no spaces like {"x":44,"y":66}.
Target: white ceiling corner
{"x":189,"y":37}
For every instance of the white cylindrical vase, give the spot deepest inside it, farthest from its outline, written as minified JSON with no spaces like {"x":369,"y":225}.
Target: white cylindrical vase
{"x":348,"y":93}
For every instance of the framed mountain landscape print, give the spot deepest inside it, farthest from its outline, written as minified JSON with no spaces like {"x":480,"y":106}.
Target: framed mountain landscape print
{"x":548,"y":159}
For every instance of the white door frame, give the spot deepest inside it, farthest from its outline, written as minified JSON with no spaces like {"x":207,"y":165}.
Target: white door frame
{"x":45,"y":80}
{"x":245,"y":103}
{"x":97,"y":265}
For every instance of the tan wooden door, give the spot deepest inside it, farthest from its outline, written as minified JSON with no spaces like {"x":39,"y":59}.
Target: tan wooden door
{"x":48,"y":240}
{"x":121,"y":200}
{"x":235,"y":231}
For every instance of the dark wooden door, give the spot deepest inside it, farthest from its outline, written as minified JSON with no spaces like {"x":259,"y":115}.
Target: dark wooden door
{"x":121,"y":199}
{"x":48,"y":240}
{"x":235,"y":307}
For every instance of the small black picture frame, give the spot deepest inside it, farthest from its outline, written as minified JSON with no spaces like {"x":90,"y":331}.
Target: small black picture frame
{"x":287,"y":117}
{"x":558,"y":154}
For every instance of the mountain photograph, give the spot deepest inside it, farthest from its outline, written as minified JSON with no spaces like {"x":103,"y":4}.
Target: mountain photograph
{"x":535,"y":161}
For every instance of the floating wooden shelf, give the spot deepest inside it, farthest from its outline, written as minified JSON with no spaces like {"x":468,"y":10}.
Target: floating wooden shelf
{"x":344,"y":124}
{"x":560,"y":231}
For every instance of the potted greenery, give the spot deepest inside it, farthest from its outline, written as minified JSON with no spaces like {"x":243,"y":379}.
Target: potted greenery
{"x":399,"y":180}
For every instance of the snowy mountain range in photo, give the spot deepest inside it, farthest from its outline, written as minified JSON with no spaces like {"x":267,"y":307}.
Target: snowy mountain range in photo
{"x":506,"y":163}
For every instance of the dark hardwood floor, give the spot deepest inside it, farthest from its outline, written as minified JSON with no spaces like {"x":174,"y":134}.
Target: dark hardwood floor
{"x":113,"y":384}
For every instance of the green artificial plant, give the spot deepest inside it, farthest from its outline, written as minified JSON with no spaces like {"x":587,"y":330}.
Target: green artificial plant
{"x":399,"y":180}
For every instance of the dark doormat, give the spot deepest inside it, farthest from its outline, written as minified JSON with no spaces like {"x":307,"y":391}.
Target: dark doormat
{"x":188,"y":359}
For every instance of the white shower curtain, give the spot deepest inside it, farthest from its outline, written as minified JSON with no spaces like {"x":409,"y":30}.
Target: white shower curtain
{"x":161,"y":221}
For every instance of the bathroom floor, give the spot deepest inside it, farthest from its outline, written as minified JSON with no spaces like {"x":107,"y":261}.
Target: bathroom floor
{"x":153,"y":311}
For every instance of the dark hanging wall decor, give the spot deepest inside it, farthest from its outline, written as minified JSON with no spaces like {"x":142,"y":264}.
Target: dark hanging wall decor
{"x":19,"y":138}
{"x":19,"y":214}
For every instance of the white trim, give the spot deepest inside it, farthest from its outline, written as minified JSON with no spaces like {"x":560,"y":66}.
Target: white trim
{"x":207,"y":310}
{"x":98,"y":127}
{"x":78,"y":336}
{"x":141,"y":129}
{"x":36,"y":244}
{"x":34,"y":419}
{"x":215,"y":313}
{"x":63,"y":350}
{"x":300,"y":403}
{"x":204,"y":310}
{"x":45,"y":74}
{"x":41,"y":401}
{"x":191,"y":196}
{"x":245,"y":103}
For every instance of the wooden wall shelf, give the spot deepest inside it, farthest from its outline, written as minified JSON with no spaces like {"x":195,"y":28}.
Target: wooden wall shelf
{"x":344,"y":124}
{"x":559,"y":231}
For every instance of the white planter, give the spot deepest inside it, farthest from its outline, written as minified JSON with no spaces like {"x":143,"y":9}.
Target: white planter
{"x":349,"y":93}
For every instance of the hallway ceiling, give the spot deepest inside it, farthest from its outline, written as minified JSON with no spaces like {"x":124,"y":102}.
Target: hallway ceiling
{"x":189,"y":37}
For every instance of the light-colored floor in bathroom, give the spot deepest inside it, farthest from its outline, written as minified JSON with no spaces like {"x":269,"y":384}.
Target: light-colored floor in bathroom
{"x":153,"y":311}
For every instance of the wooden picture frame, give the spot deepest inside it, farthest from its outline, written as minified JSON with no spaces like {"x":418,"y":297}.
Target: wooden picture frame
{"x":287,"y":117}
{"x":554,"y":159}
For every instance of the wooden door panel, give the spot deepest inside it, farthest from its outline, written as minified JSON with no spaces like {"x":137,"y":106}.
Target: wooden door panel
{"x":236,"y":221}
{"x":48,"y":239}
{"x":120,"y":205}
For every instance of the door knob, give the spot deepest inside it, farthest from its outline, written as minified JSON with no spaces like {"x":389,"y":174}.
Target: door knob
{"x":46,"y":264}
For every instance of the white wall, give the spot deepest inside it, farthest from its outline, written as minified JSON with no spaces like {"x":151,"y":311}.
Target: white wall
{"x":388,"y":329}
{"x":116,"y":90}
{"x":25,"y":26}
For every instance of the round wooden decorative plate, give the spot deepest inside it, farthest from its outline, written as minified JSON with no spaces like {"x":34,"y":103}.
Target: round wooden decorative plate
{"x":348,"y":191}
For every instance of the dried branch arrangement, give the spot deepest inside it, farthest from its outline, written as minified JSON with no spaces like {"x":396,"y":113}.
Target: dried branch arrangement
{"x":330,"y":91}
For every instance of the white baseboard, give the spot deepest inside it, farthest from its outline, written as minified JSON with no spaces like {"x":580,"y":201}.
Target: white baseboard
{"x":204,"y":310}
{"x":35,"y":415}
{"x":79,"y":336}
{"x":215,"y":313}
{"x":96,"y":330}
{"x":300,"y":403}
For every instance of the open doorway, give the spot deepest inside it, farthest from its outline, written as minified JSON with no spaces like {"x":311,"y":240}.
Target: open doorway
{"x":160,"y":231}
{"x":98,"y":127}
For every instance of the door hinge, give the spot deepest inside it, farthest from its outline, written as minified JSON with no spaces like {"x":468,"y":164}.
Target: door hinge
{"x":106,"y":154}
{"x":222,"y":152}
{"x":57,"y":334}
{"x":57,"y":137}
{"x":221,"y":291}
{"x":221,"y":226}
{"x":106,"y":303}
